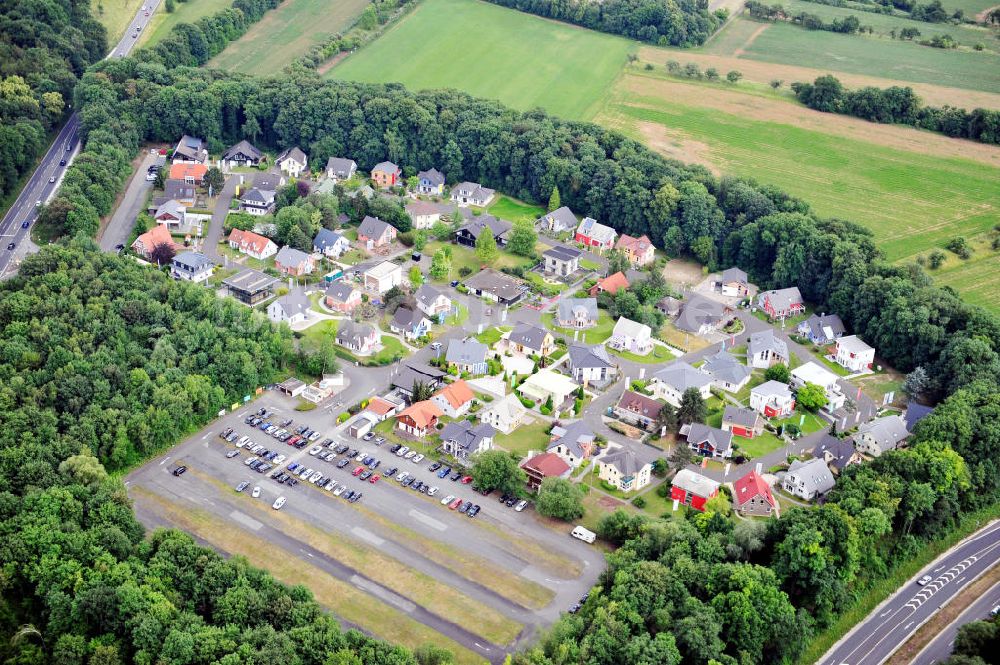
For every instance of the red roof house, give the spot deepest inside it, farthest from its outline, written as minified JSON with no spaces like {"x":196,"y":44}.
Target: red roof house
{"x":419,"y":418}
{"x":192,"y":174}
{"x":612,"y":284}
{"x":693,"y":489}
{"x":252,"y":244}
{"x":639,"y":251}
{"x":752,"y":495}
{"x":158,"y":235}
{"x":542,"y":466}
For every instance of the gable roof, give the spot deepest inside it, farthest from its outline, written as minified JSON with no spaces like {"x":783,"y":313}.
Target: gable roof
{"x":596,"y":356}
{"x":547,"y":465}
{"x":733,"y":274}
{"x":420,"y":207}
{"x":750,"y":487}
{"x":354,"y":332}
{"x":815,"y":475}
{"x":171,"y":207}
{"x":158,"y":235}
{"x":190,"y":147}
{"x":560,"y":253}
{"x":293,"y":153}
{"x":624,"y":460}
{"x":629,"y":328}
{"x":373,"y":227}
{"x":641,"y":404}
{"x":781,"y":299}
{"x":289,"y":256}
{"x":466,"y":434}
{"x":740,"y":416}
{"x":680,"y":376}
{"x":248,"y":240}
{"x":184,"y":170}
{"x":407,"y":318}
{"x":466,"y":351}
{"x":177,"y":189}
{"x":695,"y":483}
{"x":570,"y":308}
{"x":509,"y":408}
{"x":411,"y":373}
{"x":772,"y":388}
{"x":594,"y":230}
{"x":639,"y":245}
{"x":767,"y":341}
{"x":194,"y":260}
{"x":475,"y":226}
{"x":432,"y":176}
{"x":612,"y":283}
{"x":840,"y":450}
{"x":826,"y":327}
{"x":457,"y":393}
{"x":386,"y":167}
{"x":427,"y":295}
{"x":325,"y":238}
{"x":563,"y":217}
{"x":261,"y":197}
{"x":723,"y":366}
{"x":243,"y":147}
{"x":887,"y":432}
{"x":380,"y":406}
{"x":915,"y":412}
{"x":698,"y":311}
{"x":422,"y":413}
{"x":266,"y":181}
{"x":573,"y":437}
{"x":719,"y":439}
{"x":340,"y":291}
{"x":294,"y":302}
{"x":529,"y":335}
{"x":341,"y":166}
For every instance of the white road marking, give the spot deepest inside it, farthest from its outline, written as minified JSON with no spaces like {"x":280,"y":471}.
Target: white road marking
{"x":246,"y":520}
{"x":428,"y":520}
{"x":481,"y":646}
{"x":907,"y":626}
{"x":365,"y":534}
{"x":383,"y":593}
{"x":164,"y":460}
{"x":206,"y":436}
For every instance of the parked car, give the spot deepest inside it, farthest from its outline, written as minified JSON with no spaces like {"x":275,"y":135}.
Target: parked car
{"x":390,"y":471}
{"x":395,"y":448}
{"x":379,"y":440}
{"x":368,"y":437}
{"x":447,"y":500}
{"x":357,"y":471}
{"x":374,"y":478}
{"x":432,"y":491}
{"x":232,"y":453}
{"x":443,"y":473}
{"x":410,"y":454}
{"x":455,"y":504}
{"x":256,"y":492}
{"x":278,"y":503}
{"x":464,"y":508}
{"x":356,"y":497}
{"x":314,"y":450}
{"x":473,"y":511}
{"x":365,"y":475}
{"x":340,"y":490}
{"x":403,"y":476}
{"x":342,"y":463}
{"x":434,"y":466}
{"x":243,"y":485}
{"x":402,"y":451}
{"x":179,"y":470}
{"x":417,"y":459}
{"x":455,"y":476}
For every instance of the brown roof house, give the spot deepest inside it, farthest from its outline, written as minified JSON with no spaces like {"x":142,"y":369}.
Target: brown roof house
{"x":637,"y":409}
{"x":542,"y":466}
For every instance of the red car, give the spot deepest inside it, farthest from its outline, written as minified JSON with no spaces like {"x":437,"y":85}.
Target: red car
{"x":374,"y":479}
{"x":358,"y":471}
{"x":466,"y":480}
{"x":454,"y":504}
{"x":292,"y":441}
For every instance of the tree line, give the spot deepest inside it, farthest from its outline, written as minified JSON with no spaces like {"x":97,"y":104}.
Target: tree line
{"x":932,"y":12}
{"x":847,"y":25}
{"x":898,"y":105}
{"x":662,"y":22}
{"x":45,"y":46}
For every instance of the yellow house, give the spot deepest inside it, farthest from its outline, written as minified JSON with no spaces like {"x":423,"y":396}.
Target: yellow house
{"x":623,"y":470}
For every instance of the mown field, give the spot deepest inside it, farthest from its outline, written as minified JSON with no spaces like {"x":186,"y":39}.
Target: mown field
{"x":287,"y":33}
{"x":496,"y":53}
{"x":160,"y":23}
{"x":115,"y":15}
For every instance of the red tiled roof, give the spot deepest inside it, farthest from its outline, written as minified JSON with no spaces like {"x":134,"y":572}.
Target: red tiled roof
{"x":640,"y":244}
{"x":183,"y":171}
{"x":158,"y":235}
{"x":248,"y":241}
{"x":548,"y":465}
{"x":379,"y":406}
{"x":750,"y":486}
{"x":422,"y":413}
{"x":612,"y":283}
{"x":457,"y":393}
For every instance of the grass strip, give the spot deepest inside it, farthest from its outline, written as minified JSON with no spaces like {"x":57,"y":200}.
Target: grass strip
{"x":351,"y":604}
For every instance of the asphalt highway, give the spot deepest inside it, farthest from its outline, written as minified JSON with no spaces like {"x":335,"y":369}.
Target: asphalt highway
{"x":44,"y":182}
{"x":876,"y":638}
{"x":938,"y":649}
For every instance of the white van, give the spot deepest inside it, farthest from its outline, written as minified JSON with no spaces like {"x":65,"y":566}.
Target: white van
{"x":586,"y":535}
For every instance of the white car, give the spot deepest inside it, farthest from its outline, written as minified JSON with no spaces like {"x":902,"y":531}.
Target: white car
{"x":925,"y":580}
{"x":314,"y":436}
{"x":521,"y":505}
{"x":305,"y":473}
{"x":409,"y":454}
{"x":330,"y":486}
{"x":403,"y":476}
{"x":278,"y":503}
{"x":339,"y":490}
{"x":250,"y":460}
{"x":314,"y":450}
{"x":280,"y":459}
{"x":255,"y":493}
{"x":448,"y":499}
{"x":432,"y":491}
{"x":402,"y":451}
{"x":242,"y":442}
{"x":316,"y":476}
{"x":417,"y":459}
{"x":360,"y":457}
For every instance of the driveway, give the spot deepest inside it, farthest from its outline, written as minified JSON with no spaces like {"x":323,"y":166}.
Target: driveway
{"x":217,"y":226}
{"x":133,"y":202}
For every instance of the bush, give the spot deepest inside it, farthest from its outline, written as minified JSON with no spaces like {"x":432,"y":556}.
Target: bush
{"x":663,"y":490}
{"x":342,"y":418}
{"x":639,"y":502}
{"x":528,"y":404}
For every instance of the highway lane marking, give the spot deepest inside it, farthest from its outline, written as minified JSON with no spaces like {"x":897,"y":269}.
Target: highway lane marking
{"x":365,"y":534}
{"x":481,"y":646}
{"x":164,"y":460}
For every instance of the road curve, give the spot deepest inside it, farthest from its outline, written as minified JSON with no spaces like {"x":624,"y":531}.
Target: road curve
{"x":873,"y":640}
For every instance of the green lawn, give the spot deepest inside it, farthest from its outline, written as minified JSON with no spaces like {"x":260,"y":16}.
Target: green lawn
{"x":810,"y":422}
{"x":391,"y":347}
{"x":457,"y":319}
{"x":161,"y":23}
{"x":491,"y":336}
{"x":657,"y":355}
{"x":758,"y":446}
{"x":115,"y":15}
{"x":465,"y":257}
{"x":493,"y":52}
{"x":525,"y":438}
{"x":596,"y":335}
{"x":287,"y":33}
{"x":513,"y":210}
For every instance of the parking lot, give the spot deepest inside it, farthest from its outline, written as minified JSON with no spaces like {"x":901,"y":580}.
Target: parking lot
{"x":418,"y":568}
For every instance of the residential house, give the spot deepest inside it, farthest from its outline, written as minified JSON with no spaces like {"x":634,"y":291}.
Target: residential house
{"x":492,"y":285}
{"x":693,"y":489}
{"x":342,"y":297}
{"x":382,"y":276}
{"x":591,"y":364}
{"x":419,"y":419}
{"x":158,"y":235}
{"x":782,"y":303}
{"x":822,"y":329}
{"x":469,"y":233}
{"x":192,"y":267}
{"x":454,"y":399}
{"x":853,"y":354}
{"x":638,"y":251}
{"x":577,"y":313}
{"x":881,"y":435}
{"x":463,"y":439}
{"x":542,"y":466}
{"x":611,"y":284}
{"x":636,"y":409}
{"x":467,"y":356}
{"x":733,"y":283}
{"x":330,"y":243}
{"x":548,"y":384}
{"x":773,"y":399}
{"x":561,"y":260}
{"x":765,"y":349}
{"x":752,"y":496}
{"x":360,"y":338}
{"x":386,"y":174}
{"x":837,"y":453}
{"x":808,"y":479}
{"x":624,"y":470}
{"x":528,"y":340}
{"x":252,"y":244}
{"x":339,"y":169}
{"x":267,"y":181}
{"x":430,"y":183}
{"x":190,"y":150}
{"x":293,"y":262}
{"x":243,"y":153}
{"x":708,"y":441}
{"x":425,"y":214}
{"x":915,"y":412}
{"x":504,"y":415}
{"x":179,"y":191}
{"x":432,"y":302}
{"x":292,"y":161}
{"x":294,"y":307}
{"x":413,"y":373}
{"x":250,"y":286}
{"x":727,"y":372}
{"x":373,"y":233}
{"x":257,"y":202}
{"x":632,"y":337}
{"x":574,"y":443}
{"x":472,"y":193}
{"x":593,"y":234}
{"x":189,"y":172}
{"x":382,"y":408}
{"x":410,"y":323}
{"x":813,"y":373}
{"x":170,"y":213}
{"x":670,"y":306}
{"x":672,"y":381}
{"x":701,"y":316}
{"x":742,"y":422}
{"x":557,"y":221}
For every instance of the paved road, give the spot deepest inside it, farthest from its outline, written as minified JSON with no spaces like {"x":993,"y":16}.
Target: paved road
{"x":16,"y":223}
{"x":938,"y":649}
{"x":134,"y":202}
{"x":873,"y":640}
{"x":214,"y":233}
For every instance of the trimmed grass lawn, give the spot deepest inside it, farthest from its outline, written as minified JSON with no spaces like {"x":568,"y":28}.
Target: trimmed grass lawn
{"x":318,"y":331}
{"x":587,"y":264}
{"x":525,"y":438}
{"x":759,"y":445}
{"x":161,"y":23}
{"x":513,"y":210}
{"x":810,"y":422}
{"x":657,"y":355}
{"x":458,"y":318}
{"x":682,"y":340}
{"x":391,"y":347}
{"x":465,"y":257}
{"x":115,"y":15}
{"x":491,"y":336}
{"x":286,"y":33}
{"x":493,"y":52}
{"x":596,"y":335}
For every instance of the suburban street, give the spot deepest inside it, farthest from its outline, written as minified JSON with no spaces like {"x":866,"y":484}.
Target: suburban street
{"x":938,"y":649}
{"x":16,"y":225}
{"x":873,"y":640}
{"x":133,"y":202}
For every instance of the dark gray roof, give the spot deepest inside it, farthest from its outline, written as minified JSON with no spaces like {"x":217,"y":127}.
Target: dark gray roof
{"x":268,"y":181}
{"x":411,"y":373}
{"x":189,"y":147}
{"x":697,"y":434}
{"x":827,"y":327}
{"x":490,"y":281}
{"x":699,"y":310}
{"x":840,"y":450}
{"x":568,"y":308}
{"x":341,"y":166}
{"x":725,"y":367}
{"x":326,"y":238}
{"x":584,"y":356}
{"x":641,"y":404}
{"x":472,"y":190}
{"x":815,"y":475}
{"x":466,"y":351}
{"x":915,"y":412}
{"x":427,"y":294}
{"x":432,"y":176}
{"x":563,"y":218}
{"x":250,"y":280}
{"x":244,"y":147}
{"x":572,"y":436}
{"x":294,"y":302}
{"x":194,"y":260}
{"x":292,"y":153}
{"x":887,"y":432}
{"x":467,"y":435}
{"x":340,"y":291}
{"x":528,"y":335}
{"x":352,"y":332}
{"x":406,"y":317}
{"x":177,"y":189}
{"x":669,"y":305}
{"x":373,"y":227}
{"x":740,"y":416}
{"x":560,"y":253}
{"x":258,"y":196}
{"x":475,"y":226}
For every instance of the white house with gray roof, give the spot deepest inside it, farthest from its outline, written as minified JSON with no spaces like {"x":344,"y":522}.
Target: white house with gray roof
{"x":591,"y":364}
{"x":854,"y":354}
{"x":192,"y":267}
{"x":467,"y":355}
{"x":462,"y":439}
{"x":623,"y":469}
{"x":670,"y":382}
{"x":808,"y":480}
{"x":557,"y":221}
{"x":561,"y":260}
{"x":430,"y":182}
{"x":528,"y":339}
{"x":822,"y":329}
{"x":632,"y":337}
{"x":340,"y":168}
{"x":472,"y":193}
{"x":573,"y":443}
{"x":765,"y":349}
{"x":881,"y":435}
{"x":292,"y":161}
{"x":727,"y":372}
{"x":577,"y":313}
{"x":773,"y":399}
{"x":292,"y":308}
{"x":432,"y":302}
{"x":708,"y":441}
{"x":330,"y":243}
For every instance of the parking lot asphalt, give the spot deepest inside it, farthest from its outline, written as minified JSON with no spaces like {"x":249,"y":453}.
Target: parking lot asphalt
{"x":498,"y":536}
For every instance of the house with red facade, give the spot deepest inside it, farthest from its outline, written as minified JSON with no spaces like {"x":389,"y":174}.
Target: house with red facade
{"x":419,"y":418}
{"x":386,"y":174}
{"x":782,"y":303}
{"x":752,"y":496}
{"x":693,"y":489}
{"x":594,"y":234}
{"x":773,"y":399}
{"x":742,"y":422}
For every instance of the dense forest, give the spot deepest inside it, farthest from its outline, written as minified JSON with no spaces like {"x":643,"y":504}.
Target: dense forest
{"x":899,"y":105}
{"x":45,"y":46}
{"x":662,"y":22}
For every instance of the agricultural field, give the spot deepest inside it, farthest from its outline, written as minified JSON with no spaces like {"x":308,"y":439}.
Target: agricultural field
{"x":115,"y":15}
{"x":287,"y":33}
{"x":161,"y":23}
{"x":496,"y":53}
